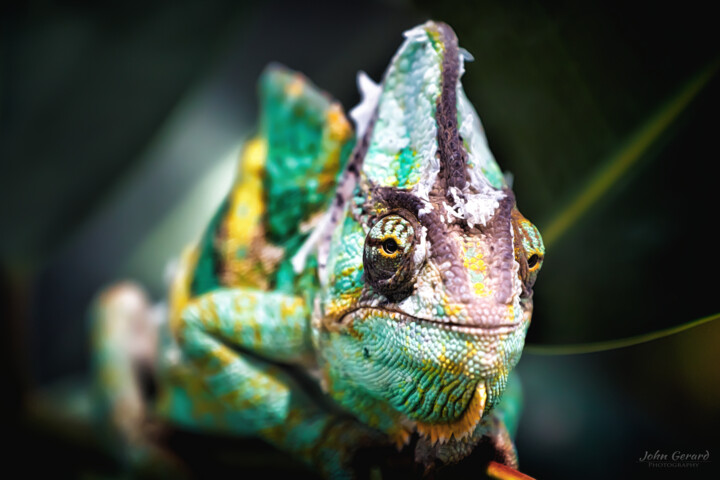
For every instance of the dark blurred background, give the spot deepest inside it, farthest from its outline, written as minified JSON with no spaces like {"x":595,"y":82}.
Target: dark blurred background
{"x":120,"y":124}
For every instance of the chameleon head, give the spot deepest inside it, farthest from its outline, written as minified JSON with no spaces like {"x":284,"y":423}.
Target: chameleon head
{"x":427,"y":281}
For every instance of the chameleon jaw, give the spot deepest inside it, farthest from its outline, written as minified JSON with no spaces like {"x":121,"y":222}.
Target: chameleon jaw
{"x":461,"y":428}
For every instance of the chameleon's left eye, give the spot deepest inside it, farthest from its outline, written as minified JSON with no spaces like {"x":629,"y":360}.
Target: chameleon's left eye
{"x":390,"y":246}
{"x":392,"y":254}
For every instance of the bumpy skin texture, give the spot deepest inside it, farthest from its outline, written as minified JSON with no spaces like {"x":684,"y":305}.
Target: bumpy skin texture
{"x":396,"y":271}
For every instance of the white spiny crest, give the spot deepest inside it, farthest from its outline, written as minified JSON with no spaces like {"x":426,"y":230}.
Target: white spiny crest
{"x":300,"y":257}
{"x":406,"y":103}
{"x":406,"y":128}
{"x":369,"y":95}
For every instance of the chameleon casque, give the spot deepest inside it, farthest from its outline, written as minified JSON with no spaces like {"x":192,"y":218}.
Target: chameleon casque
{"x":387,"y":265}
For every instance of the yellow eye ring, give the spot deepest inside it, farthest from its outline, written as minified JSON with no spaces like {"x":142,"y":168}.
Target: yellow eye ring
{"x":389,"y":247}
{"x":533,"y":262}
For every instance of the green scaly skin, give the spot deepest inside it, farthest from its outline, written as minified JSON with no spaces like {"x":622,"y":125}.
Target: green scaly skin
{"x":395,"y":270}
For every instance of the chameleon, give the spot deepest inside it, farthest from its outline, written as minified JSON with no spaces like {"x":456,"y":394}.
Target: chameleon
{"x":365,"y":283}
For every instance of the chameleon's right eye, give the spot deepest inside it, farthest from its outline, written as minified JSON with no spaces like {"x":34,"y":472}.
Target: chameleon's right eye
{"x":391,"y":255}
{"x":532,"y":249}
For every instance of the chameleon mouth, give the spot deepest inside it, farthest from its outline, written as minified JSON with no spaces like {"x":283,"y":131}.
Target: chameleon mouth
{"x":361,"y":313}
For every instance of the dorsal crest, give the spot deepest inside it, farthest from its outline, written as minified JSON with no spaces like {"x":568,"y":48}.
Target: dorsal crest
{"x":425,"y":137}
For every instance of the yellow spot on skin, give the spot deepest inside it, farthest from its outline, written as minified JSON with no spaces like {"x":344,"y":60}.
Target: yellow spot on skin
{"x":244,"y":223}
{"x":295,"y":87}
{"x":480,"y":289}
{"x":346,"y":272}
{"x":247,"y":202}
{"x":511,"y":314}
{"x":288,"y":309}
{"x":334,"y":308}
{"x":452,"y":309}
{"x":475,"y":263}
{"x":336,"y":131}
{"x":342,"y":303}
{"x":253,"y":159}
{"x":471,"y":352}
{"x":224,"y":355}
{"x":441,"y":358}
{"x":340,"y":129}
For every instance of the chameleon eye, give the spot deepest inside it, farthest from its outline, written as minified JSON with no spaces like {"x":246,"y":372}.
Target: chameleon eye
{"x":534,"y":262}
{"x":389,"y":256}
{"x":532,"y":249}
{"x":390,"y":246}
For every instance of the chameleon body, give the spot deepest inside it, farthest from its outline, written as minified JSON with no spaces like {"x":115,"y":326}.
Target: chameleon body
{"x":357,"y":287}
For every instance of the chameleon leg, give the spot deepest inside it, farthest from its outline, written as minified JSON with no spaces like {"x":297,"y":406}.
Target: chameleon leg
{"x":258,"y":397}
{"x":123,"y":345}
{"x":505,"y":451}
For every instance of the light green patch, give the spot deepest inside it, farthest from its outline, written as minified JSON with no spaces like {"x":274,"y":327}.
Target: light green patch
{"x":408,"y":168}
{"x":404,"y":140}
